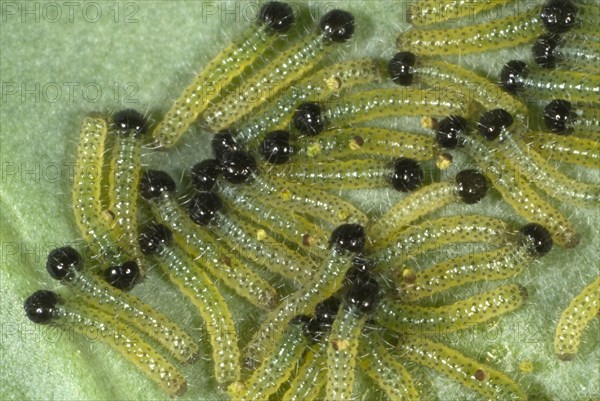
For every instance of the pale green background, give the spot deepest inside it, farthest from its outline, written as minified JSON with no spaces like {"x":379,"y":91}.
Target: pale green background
{"x":157,"y":52}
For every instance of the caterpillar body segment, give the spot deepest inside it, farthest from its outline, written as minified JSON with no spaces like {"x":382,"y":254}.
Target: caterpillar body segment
{"x":566,"y":149}
{"x":365,"y":142}
{"x":442,"y":75}
{"x":428,"y":12}
{"x":221,"y":263}
{"x":485,"y":380}
{"x":479,"y":308}
{"x":87,"y":188}
{"x":577,"y":86}
{"x":126,"y":342}
{"x":319,"y":87}
{"x":587,"y":120}
{"x":518,"y":193}
{"x":342,"y":352}
{"x":498,"y":264}
{"x":213,"y":309}
{"x":574,"y":319}
{"x":46,"y":307}
{"x":510,"y":31}
{"x":436,"y":233}
{"x":578,"y":55}
{"x":384,"y":368}
{"x":277,"y":367}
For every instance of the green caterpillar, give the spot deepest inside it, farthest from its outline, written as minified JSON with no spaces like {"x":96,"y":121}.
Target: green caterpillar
{"x":483,"y":379}
{"x":567,"y":149}
{"x":221,"y":71}
{"x":479,"y":308}
{"x":46,"y":307}
{"x":581,"y":310}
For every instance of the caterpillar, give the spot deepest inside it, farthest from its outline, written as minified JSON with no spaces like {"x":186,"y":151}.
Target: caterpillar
{"x":65,"y":264}
{"x":566,"y":149}
{"x":274,"y":19}
{"x":337,"y":26}
{"x":123,"y":182}
{"x":46,"y":307}
{"x":198,"y":287}
{"x":581,"y":309}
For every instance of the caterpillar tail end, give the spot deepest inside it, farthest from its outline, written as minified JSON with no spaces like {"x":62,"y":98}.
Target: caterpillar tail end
{"x":565,"y":356}
{"x":568,"y":239}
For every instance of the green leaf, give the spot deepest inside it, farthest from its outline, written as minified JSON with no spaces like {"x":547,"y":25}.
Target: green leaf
{"x":61,"y":60}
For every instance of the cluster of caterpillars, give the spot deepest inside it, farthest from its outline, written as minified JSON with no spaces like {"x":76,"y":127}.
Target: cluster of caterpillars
{"x":268,"y":205}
